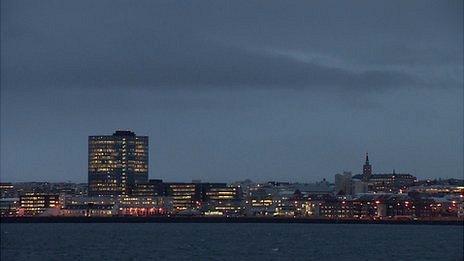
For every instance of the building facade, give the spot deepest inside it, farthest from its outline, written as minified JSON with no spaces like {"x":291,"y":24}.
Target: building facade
{"x":191,"y":196}
{"x":343,"y":184}
{"x":223,"y":201}
{"x":152,"y":188}
{"x":116,"y":163}
{"x":9,"y":207}
{"x":32,"y":204}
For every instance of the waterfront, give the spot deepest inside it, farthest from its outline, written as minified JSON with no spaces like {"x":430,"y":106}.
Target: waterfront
{"x":164,"y":241}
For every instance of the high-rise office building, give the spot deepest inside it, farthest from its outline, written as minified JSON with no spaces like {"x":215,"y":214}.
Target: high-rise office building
{"x":116,"y":163}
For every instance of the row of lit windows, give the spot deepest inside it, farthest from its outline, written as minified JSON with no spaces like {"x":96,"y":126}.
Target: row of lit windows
{"x":228,"y":207}
{"x":102,"y":151}
{"x":106,"y":189}
{"x":37,"y":199}
{"x":138,"y":164}
{"x":112,"y":184}
{"x":100,"y":159}
{"x":103,"y":183}
{"x":222,"y":197}
{"x":108,"y":170}
{"x":178,"y":197}
{"x":110,"y":143}
{"x":113,"y":152}
{"x":102,"y":141}
{"x":99,"y":163}
{"x":222,"y":192}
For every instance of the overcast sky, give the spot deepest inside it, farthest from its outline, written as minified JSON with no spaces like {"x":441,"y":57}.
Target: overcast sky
{"x":229,"y":90}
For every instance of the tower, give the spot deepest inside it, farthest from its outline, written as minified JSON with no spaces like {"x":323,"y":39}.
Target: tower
{"x":116,"y":163}
{"x":367,"y":169}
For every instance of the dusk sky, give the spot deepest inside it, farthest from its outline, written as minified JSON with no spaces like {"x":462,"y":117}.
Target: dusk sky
{"x":229,"y":90}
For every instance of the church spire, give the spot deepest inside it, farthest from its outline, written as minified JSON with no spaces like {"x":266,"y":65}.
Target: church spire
{"x":367,"y":169}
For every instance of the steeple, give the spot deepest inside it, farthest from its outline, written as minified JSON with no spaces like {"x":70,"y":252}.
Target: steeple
{"x":367,"y":169}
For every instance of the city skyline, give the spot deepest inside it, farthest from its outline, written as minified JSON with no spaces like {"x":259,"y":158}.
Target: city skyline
{"x":107,"y":164}
{"x":297,"y":91}
{"x":360,"y":170}
{"x":231,"y":130}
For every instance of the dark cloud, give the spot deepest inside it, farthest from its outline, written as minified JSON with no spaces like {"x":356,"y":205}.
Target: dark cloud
{"x":283,"y":90}
{"x":163,"y":44}
{"x":205,"y":66}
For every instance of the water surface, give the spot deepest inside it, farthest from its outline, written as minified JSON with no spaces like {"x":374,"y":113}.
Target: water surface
{"x":190,"y":241}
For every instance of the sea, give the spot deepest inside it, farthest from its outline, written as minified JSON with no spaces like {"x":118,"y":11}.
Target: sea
{"x":230,"y":241}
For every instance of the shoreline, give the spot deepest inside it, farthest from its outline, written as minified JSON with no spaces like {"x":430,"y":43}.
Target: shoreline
{"x":181,"y":219}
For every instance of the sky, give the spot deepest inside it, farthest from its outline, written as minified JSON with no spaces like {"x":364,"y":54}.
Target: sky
{"x":229,"y":90}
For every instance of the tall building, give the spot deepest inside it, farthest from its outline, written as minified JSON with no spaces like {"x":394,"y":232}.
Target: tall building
{"x":343,"y":184}
{"x":367,"y":169}
{"x":116,"y":163}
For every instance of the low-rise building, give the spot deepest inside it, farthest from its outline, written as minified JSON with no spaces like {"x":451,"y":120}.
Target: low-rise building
{"x":223,"y":201}
{"x":144,"y":206}
{"x":152,"y":188}
{"x":9,"y":207}
{"x":32,"y":204}
{"x":184,"y":195}
{"x":89,"y":210}
{"x":7,"y":190}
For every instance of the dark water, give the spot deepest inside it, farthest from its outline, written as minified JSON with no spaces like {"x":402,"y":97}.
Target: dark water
{"x":161,"y":241}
